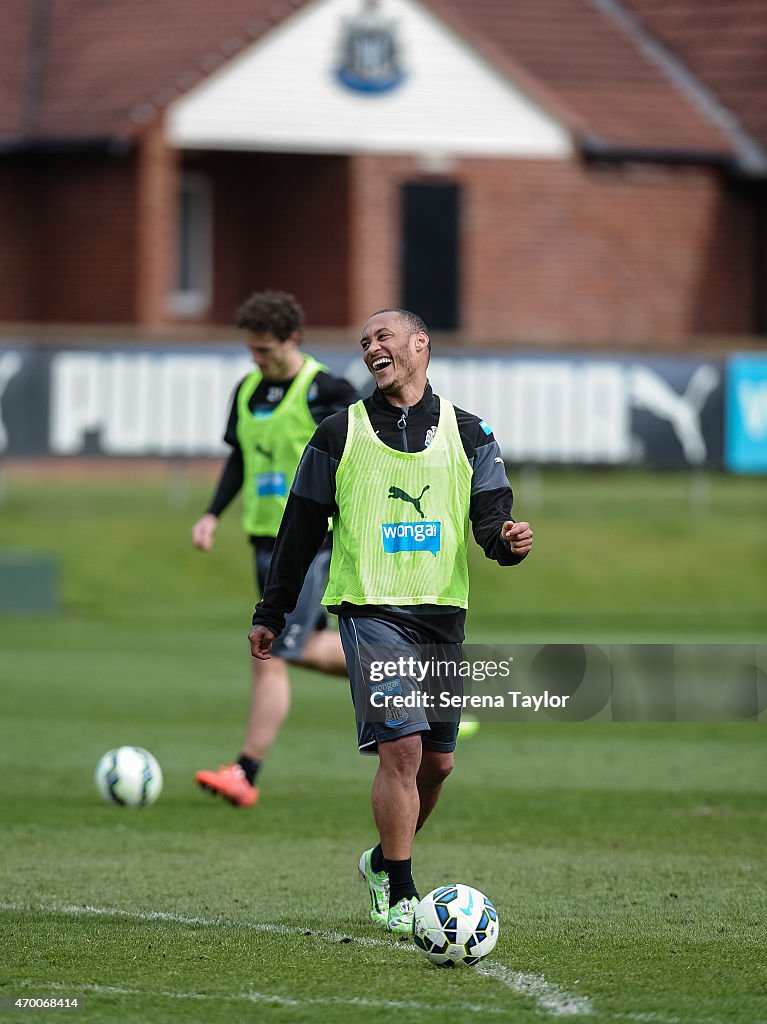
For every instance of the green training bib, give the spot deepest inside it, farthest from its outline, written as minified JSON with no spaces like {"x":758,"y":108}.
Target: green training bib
{"x":272,"y":444}
{"x":403,"y":519}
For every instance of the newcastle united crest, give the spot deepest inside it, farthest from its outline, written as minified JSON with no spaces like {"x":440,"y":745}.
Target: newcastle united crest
{"x":370,"y":60}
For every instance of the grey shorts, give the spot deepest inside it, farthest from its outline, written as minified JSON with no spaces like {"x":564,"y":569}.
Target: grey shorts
{"x":308,"y":615}
{"x":366,"y":641}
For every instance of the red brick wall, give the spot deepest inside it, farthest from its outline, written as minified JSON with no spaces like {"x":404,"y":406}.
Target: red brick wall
{"x":70,"y":228}
{"x":18,"y":248}
{"x":560,"y":252}
{"x":552,"y":252}
{"x":374,"y":232}
{"x":72,"y":239}
{"x":280,"y":222}
{"x":157,"y":188}
{"x":89,"y":239}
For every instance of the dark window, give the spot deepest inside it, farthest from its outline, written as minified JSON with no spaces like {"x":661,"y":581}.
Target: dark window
{"x":430,"y":253}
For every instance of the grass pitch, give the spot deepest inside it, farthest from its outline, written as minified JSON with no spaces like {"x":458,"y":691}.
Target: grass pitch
{"x":627,"y":861}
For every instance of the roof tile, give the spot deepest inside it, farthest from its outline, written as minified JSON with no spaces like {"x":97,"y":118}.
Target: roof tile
{"x":585,"y":57}
{"x":109,"y":64}
{"x":724,"y":43}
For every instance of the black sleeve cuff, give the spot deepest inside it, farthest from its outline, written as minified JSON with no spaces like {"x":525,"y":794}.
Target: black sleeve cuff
{"x":269,"y":617}
{"x":489,"y":510}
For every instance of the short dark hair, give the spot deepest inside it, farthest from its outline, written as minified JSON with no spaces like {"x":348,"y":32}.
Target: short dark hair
{"x":414,"y":322}
{"x":271,"y":312}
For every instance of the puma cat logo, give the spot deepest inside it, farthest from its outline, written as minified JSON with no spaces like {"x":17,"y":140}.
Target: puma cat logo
{"x":397,"y":492}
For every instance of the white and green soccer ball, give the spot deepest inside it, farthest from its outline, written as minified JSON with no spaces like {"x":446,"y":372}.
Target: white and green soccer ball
{"x":455,"y":924}
{"x":129,"y":777}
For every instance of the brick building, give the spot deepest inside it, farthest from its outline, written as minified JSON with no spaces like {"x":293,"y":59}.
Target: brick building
{"x":519,"y":171}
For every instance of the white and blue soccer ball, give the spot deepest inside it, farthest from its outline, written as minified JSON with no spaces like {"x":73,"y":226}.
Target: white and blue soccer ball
{"x":129,"y":777}
{"x":455,"y":924}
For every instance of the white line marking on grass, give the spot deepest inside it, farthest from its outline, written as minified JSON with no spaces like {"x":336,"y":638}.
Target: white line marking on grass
{"x":660,"y":1018}
{"x":210,"y":922}
{"x":649,"y":1018}
{"x":258,"y":997}
{"x":549,"y":997}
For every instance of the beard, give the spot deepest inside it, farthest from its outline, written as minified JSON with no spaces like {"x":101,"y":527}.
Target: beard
{"x":405,"y":370}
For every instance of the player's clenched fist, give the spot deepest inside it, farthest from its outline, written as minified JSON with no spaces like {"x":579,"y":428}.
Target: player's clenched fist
{"x":261,"y":640}
{"x":518,"y":536}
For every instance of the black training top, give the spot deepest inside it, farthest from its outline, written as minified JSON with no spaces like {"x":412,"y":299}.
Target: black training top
{"x":312,"y":500}
{"x":327,"y":395}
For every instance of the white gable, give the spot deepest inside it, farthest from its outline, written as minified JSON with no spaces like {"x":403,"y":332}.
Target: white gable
{"x":283,"y":94}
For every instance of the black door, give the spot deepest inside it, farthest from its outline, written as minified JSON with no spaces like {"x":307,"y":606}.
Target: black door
{"x":430,"y":263}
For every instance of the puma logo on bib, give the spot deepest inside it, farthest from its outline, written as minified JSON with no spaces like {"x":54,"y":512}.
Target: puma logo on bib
{"x":397,"y":492}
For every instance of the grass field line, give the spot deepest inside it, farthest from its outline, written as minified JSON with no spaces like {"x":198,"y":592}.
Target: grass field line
{"x":548,"y":996}
{"x":545,"y":994}
{"x":251,"y":996}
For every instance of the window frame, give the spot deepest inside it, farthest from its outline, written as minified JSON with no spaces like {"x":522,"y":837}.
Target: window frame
{"x":193,"y":249}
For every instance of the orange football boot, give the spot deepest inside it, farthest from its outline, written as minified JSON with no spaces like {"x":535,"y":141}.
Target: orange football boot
{"x":229,"y":782}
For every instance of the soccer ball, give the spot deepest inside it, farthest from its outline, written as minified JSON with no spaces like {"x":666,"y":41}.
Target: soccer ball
{"x":129,"y":776}
{"x":455,"y":924}
{"x":468,"y":727}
